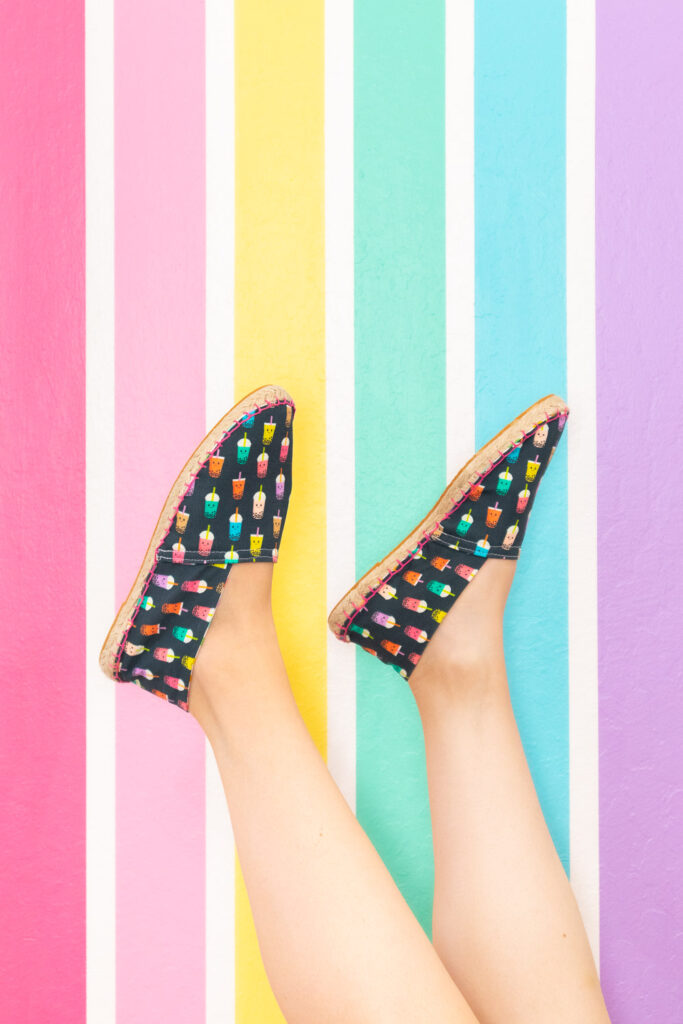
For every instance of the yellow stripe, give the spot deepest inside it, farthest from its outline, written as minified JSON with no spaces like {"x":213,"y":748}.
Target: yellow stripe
{"x":279,"y":338}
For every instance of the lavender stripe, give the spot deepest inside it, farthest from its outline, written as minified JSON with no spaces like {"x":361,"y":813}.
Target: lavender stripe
{"x":639,"y":251}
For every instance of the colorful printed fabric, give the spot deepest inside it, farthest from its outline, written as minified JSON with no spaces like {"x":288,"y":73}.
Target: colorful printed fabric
{"x":233,"y":510}
{"x":398,"y":619}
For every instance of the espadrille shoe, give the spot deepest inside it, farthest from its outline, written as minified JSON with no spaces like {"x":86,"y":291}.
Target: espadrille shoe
{"x":228,"y":505}
{"x":394,"y":609}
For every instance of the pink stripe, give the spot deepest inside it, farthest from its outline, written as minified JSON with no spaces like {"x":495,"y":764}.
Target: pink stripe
{"x":639,"y":175}
{"x":160,"y":245}
{"x":42,"y":419}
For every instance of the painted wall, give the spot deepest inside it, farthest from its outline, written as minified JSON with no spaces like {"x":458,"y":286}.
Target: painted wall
{"x":418,"y":218}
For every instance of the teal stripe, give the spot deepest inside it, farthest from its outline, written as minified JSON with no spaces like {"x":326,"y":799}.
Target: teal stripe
{"x":399,"y":383}
{"x":520,"y":68}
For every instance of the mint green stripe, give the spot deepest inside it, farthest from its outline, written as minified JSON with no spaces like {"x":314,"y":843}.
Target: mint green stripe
{"x":520,"y":70}
{"x":399,"y":383}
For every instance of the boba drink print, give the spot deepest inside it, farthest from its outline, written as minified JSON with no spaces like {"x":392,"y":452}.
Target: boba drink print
{"x":230,"y":507}
{"x":393,"y":610}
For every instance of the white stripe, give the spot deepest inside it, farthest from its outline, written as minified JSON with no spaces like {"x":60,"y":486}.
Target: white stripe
{"x":220,"y":262}
{"x":581,"y":448}
{"x":339,"y":332}
{"x":99,"y":513}
{"x":460,"y":410}
{"x":220,"y":207}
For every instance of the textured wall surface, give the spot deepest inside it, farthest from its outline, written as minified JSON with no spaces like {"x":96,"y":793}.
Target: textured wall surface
{"x":418,"y":218}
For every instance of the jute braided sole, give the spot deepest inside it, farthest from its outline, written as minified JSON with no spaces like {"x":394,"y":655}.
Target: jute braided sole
{"x":263,"y":397}
{"x":456,"y":491}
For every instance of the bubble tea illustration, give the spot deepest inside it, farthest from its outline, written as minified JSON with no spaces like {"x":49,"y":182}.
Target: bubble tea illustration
{"x":523,"y":498}
{"x":216,"y":465}
{"x":513,"y":456}
{"x":465,"y":523}
{"x":262,"y":463}
{"x":483,"y":547}
{"x":201,"y":611}
{"x":181,"y":520}
{"x":416,"y":634}
{"x":280,"y":486}
{"x":135,"y":649}
{"x":243,"y":449}
{"x":541,"y":436}
{"x":211,"y":504}
{"x":288,"y":421}
{"x":165,"y":654}
{"x":184,"y":635}
{"x":466,"y":571}
{"x":382,"y":619}
{"x":173,"y":608}
{"x":510,"y":535}
{"x":235,"y":525}
{"x":268,"y":431}
{"x":440,"y":563}
{"x":145,"y":673}
{"x":532,"y":468}
{"x":504,"y":481}
{"x":493,"y":515}
{"x":160,"y":579}
{"x":195,"y":586}
{"x":151,"y":628}
{"x":238,"y":487}
{"x":390,"y":646}
{"x":231,"y":557}
{"x":174,"y":682}
{"x":146,"y":602}
{"x":277,"y":525}
{"x":205,"y":541}
{"x":255,"y":543}
{"x":387,"y":592}
{"x":178,"y":550}
{"x":259,"y":503}
{"x":284,"y":448}
{"x":438,"y":588}
{"x":476,"y":491}
{"x":415,"y":604}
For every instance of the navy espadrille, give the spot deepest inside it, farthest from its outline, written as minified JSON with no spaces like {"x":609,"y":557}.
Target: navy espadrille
{"x":394,"y":609}
{"x":228,"y":505}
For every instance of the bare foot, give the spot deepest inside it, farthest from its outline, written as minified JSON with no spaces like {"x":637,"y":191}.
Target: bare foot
{"x":240,"y":644}
{"x":467,"y":649}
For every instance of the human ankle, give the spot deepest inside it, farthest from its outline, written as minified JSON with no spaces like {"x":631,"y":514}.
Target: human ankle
{"x":470,"y":671}
{"x":240,"y":647}
{"x":467,"y":648}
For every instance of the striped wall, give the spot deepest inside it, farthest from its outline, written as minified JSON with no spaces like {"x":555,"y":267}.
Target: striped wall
{"x":418,"y":218}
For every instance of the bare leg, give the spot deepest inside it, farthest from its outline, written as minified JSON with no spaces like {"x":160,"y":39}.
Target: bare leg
{"x":506,"y":922}
{"x":338,"y":941}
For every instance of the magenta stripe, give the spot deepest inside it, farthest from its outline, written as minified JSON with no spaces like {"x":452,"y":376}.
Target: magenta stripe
{"x":42,"y":422}
{"x":640,"y":321}
{"x":160,"y":196}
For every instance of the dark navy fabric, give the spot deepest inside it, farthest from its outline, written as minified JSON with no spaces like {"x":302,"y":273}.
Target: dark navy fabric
{"x":233,"y":511}
{"x":396,"y":621}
